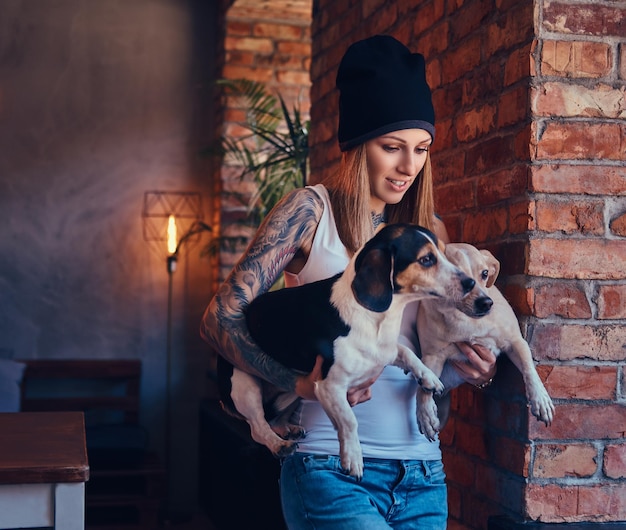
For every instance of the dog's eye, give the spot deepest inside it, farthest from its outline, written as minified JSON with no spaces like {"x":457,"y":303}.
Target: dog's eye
{"x":484,"y":274}
{"x":428,"y":260}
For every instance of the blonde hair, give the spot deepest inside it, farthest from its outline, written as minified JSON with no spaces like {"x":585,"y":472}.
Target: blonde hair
{"x":349,"y":190}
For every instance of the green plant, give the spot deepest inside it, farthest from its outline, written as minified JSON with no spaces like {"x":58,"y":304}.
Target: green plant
{"x":273,"y":151}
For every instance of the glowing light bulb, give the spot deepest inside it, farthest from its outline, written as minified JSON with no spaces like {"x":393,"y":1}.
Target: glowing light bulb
{"x":171,"y":235}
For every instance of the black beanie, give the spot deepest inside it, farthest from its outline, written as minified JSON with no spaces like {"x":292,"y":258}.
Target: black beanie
{"x":382,"y":88}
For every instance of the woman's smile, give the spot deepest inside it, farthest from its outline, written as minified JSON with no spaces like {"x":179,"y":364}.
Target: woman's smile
{"x":399,"y":185}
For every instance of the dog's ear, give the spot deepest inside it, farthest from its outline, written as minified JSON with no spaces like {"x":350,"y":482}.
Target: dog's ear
{"x":493,"y":265}
{"x":372,"y":285}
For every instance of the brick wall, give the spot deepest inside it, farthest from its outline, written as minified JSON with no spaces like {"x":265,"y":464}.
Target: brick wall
{"x":269,"y":42}
{"x":530,"y":162}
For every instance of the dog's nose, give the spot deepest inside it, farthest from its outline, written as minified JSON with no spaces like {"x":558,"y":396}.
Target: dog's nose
{"x":468,"y":284}
{"x":483,"y":304}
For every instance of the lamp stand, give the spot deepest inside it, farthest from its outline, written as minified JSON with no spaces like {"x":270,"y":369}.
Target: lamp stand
{"x":171,"y":268}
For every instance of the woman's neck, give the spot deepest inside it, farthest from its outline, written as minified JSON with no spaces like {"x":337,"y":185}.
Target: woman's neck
{"x":378,"y":219}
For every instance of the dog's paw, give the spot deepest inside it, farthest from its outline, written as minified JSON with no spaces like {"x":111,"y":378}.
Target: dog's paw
{"x":352,"y":460}
{"x":283,"y":448}
{"x":286,"y":449}
{"x":541,"y":406}
{"x":287,"y":431}
{"x":430,"y":382}
{"x":427,"y":418}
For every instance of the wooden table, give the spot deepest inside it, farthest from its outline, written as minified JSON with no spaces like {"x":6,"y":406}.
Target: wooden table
{"x":43,"y":470}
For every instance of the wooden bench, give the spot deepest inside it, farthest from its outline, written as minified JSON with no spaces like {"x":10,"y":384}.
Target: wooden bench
{"x":127,"y":482}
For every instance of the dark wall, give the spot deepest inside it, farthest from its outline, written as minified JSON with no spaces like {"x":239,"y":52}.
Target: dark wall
{"x":101,"y":101}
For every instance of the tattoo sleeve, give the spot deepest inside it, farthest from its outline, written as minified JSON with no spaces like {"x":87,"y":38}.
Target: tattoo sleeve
{"x":279,"y":237}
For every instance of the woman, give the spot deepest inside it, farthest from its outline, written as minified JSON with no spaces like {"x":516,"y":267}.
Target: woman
{"x":386,"y":128}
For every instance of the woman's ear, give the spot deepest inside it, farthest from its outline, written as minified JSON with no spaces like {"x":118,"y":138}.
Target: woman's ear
{"x":372,"y":285}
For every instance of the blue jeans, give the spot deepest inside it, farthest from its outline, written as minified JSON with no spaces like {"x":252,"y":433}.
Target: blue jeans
{"x":400,"y":494}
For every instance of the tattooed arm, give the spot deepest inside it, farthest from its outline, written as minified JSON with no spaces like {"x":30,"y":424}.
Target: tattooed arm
{"x":285,"y":232}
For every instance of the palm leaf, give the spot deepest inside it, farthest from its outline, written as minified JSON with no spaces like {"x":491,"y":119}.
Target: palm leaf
{"x":274,"y":151}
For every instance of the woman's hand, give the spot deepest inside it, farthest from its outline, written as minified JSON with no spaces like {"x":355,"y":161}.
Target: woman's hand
{"x":480,"y":367}
{"x":305,"y":386}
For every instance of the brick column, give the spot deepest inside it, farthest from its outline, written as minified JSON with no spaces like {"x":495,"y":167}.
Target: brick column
{"x":577,"y":261}
{"x":267,"y":42}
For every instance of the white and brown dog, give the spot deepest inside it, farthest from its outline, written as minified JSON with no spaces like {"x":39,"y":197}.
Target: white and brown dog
{"x":352,"y":320}
{"x":483,"y":317}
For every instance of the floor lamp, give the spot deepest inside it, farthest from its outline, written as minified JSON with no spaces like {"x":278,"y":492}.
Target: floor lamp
{"x":167,"y":214}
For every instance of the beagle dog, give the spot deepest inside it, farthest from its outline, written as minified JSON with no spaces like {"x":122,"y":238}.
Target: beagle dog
{"x":482,"y":317}
{"x":353,"y":321}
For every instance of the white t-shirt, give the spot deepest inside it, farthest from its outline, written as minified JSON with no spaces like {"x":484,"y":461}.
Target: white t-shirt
{"x":388,"y":422}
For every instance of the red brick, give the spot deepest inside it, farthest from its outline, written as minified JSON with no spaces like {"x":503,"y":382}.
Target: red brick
{"x":288,"y":32}
{"x":512,"y":256}
{"x":578,"y":142}
{"x":614,"y":464}
{"x":434,"y":42}
{"x":578,"y":421}
{"x":488,"y":155}
{"x":509,"y":454}
{"x":461,"y":60}
{"x":454,"y":505}
{"x":603,"y":502}
{"x":622,"y":61}
{"x":521,"y":215}
{"x":520,"y":297}
{"x":485,"y":84}
{"x":263,"y":75}
{"x":470,"y":439}
{"x":585,"y":217}
{"x":576,"y":59}
{"x":249,"y":44}
{"x":294,"y":48}
{"x":517,"y":66}
{"x":485,"y":225}
{"x":291,"y":77}
{"x":513,"y":107}
{"x":567,"y":342}
{"x":562,"y":299}
{"x":587,"y":179}
{"x":577,"y":258}
{"x":501,"y":487}
{"x":470,"y":406}
{"x":467,"y":20}
{"x":447,"y":100}
{"x":618,"y":225}
{"x":424,"y":15}
{"x":516,"y":27}
{"x":368,"y":7}
{"x":455,"y":197}
{"x":445,"y":134}
{"x":238,"y":28}
{"x":611,"y":301}
{"x":475,"y":123}
{"x":579,"y":382}
{"x":565,"y":460}
{"x":509,"y":416}
{"x":237,"y":58}
{"x":585,"y":19}
{"x":459,"y":469}
{"x":550,"y":502}
{"x":382,"y":21}
{"x":553,"y":503}
{"x":522,"y":144}
{"x":572,"y":100}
